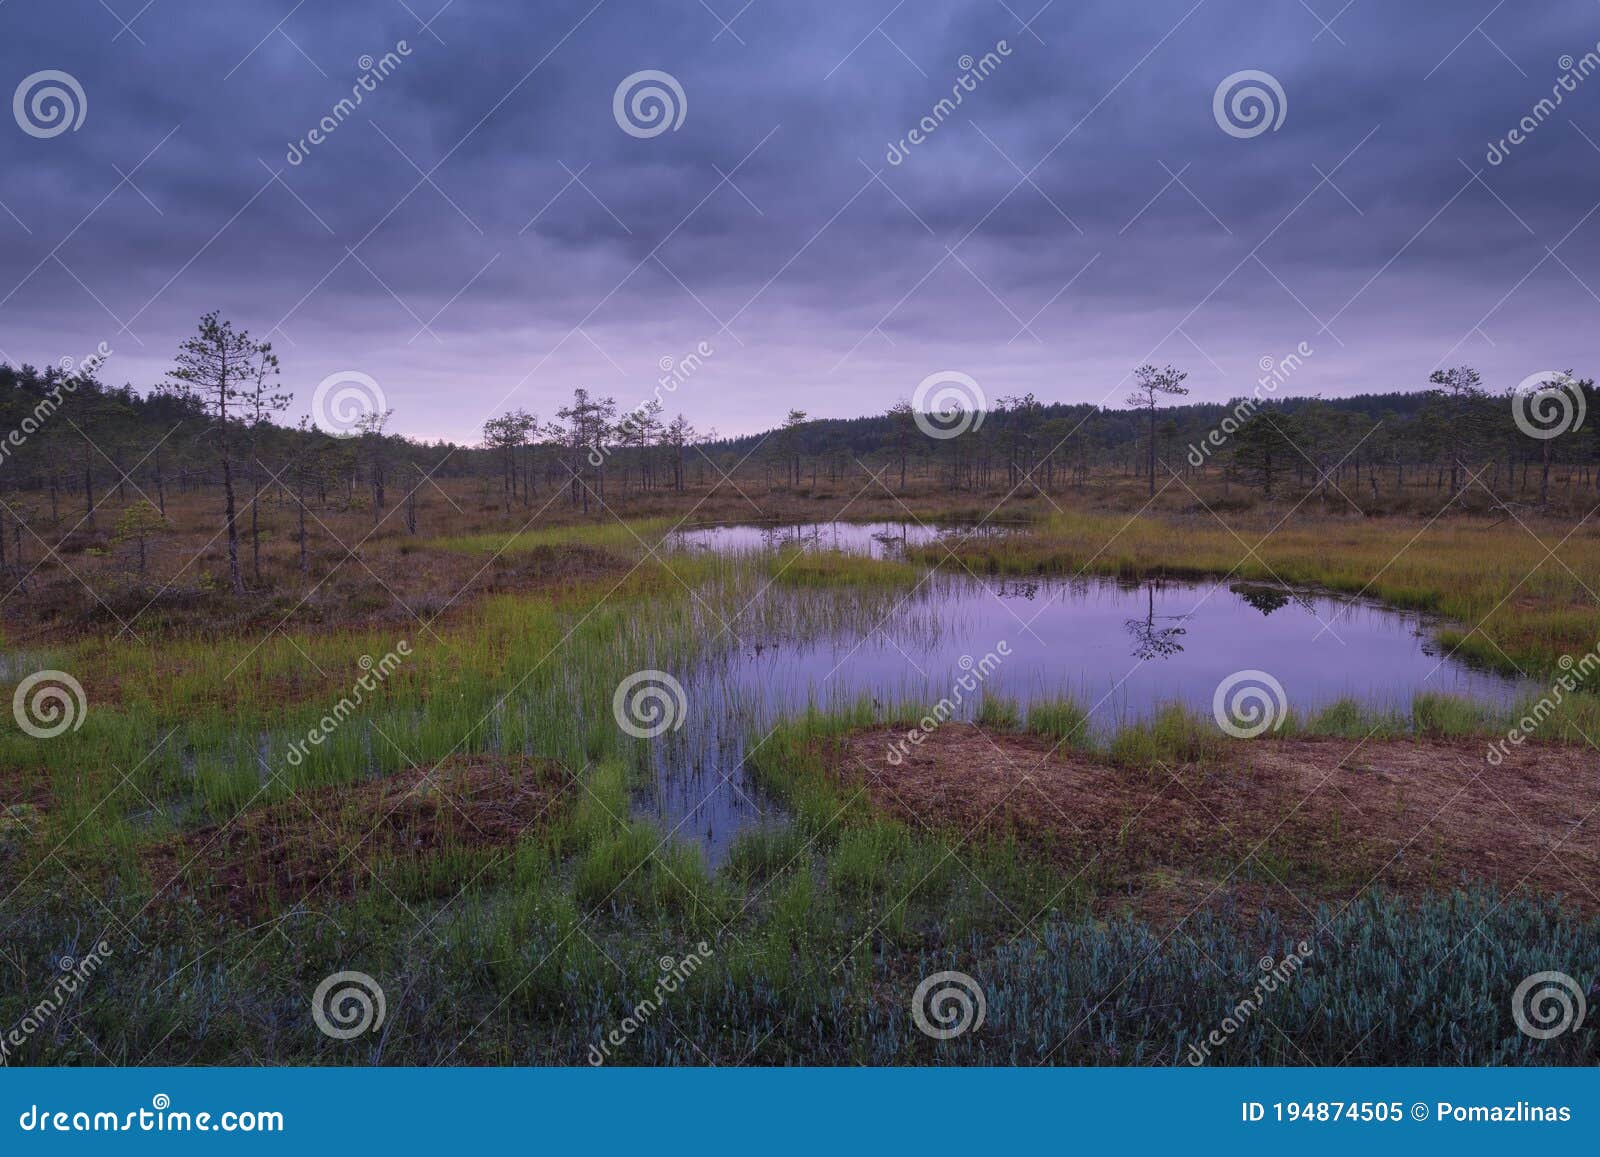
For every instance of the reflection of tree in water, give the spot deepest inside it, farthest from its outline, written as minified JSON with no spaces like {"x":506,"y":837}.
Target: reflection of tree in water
{"x":1149,"y":640}
{"x":800,"y":534}
{"x":1016,"y":589}
{"x":1269,"y":599}
{"x":892,"y":545}
{"x":1265,"y":601}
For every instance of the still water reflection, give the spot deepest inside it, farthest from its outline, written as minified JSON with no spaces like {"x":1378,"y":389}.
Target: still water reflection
{"x":1120,"y":650}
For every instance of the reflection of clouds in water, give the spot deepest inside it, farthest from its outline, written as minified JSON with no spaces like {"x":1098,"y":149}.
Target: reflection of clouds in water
{"x":1072,"y":636}
{"x":897,"y":649}
{"x":884,"y":540}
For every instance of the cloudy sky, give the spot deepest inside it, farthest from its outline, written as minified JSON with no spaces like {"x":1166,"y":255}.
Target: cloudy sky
{"x":484,"y":232}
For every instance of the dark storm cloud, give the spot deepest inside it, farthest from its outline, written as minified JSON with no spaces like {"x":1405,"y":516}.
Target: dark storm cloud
{"x":1097,"y":214}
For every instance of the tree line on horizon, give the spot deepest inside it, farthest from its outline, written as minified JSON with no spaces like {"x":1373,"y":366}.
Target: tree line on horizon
{"x":216,"y":423}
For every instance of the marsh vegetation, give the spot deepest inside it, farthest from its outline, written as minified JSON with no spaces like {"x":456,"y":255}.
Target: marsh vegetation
{"x":400,"y":751}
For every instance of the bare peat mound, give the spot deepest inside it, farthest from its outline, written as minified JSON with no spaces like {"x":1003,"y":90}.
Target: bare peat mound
{"x":1320,"y":819}
{"x":329,"y":843}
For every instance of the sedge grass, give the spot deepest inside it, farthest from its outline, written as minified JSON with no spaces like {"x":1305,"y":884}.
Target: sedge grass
{"x":529,"y":954}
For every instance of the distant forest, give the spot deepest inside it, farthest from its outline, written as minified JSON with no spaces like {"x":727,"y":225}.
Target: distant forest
{"x":219,"y":422}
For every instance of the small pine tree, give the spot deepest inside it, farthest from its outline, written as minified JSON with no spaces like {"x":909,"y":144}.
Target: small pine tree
{"x":1149,"y":384}
{"x":224,"y":371}
{"x":139,"y":523}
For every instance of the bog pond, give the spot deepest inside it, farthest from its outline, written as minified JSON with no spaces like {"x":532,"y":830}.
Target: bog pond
{"x":1120,"y":650}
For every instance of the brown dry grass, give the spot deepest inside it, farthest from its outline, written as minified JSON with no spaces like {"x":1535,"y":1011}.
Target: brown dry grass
{"x":76,"y":579}
{"x":388,"y":584}
{"x":1320,"y":819}
{"x":332,"y":842}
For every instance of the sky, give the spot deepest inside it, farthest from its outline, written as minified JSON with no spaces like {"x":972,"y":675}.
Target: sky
{"x":497,"y":222}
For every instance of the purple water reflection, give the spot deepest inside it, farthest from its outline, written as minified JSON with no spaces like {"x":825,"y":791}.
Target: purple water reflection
{"x":1120,"y":650}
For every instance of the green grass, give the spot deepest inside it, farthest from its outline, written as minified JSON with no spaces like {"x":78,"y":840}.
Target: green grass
{"x":758,"y":856}
{"x":1171,"y":737}
{"x":630,"y":537}
{"x":1062,"y":720}
{"x":818,"y":929}
{"x":999,"y":712}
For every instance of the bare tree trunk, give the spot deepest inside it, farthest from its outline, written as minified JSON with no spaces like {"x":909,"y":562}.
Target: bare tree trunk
{"x":305,"y":566}
{"x":229,"y":515}
{"x":88,"y":486}
{"x":1152,"y":451}
{"x":255,"y":522}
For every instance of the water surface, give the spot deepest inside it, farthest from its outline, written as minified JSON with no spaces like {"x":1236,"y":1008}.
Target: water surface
{"x":1120,"y":650}
{"x":875,"y":539}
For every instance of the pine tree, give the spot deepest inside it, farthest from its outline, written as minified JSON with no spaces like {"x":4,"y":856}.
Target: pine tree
{"x":215,"y":368}
{"x":1149,"y":384}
